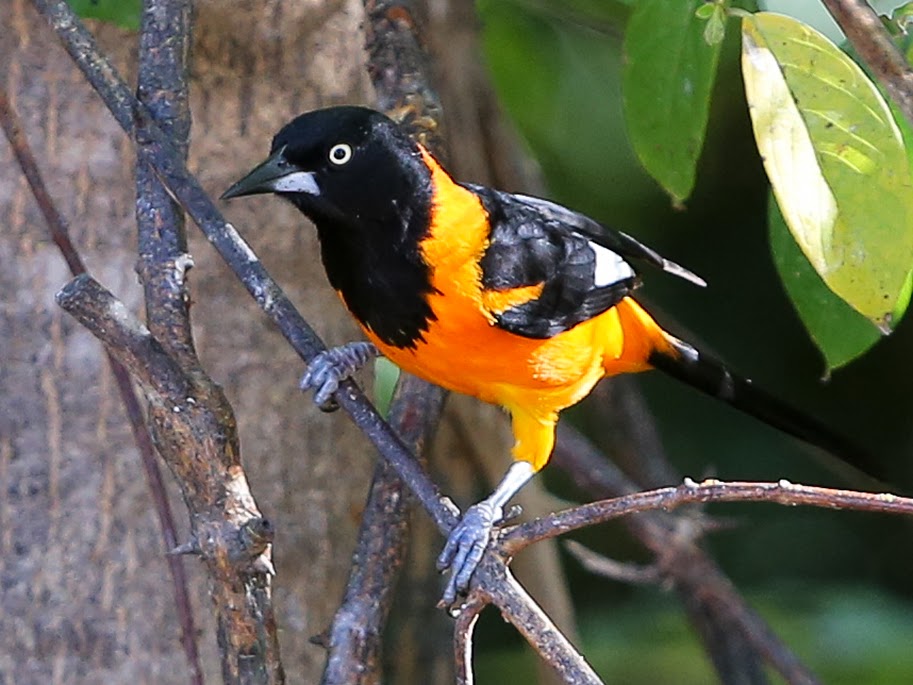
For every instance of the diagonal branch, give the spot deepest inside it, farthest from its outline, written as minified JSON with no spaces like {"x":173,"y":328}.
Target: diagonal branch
{"x":158,"y":151}
{"x":873,"y":44}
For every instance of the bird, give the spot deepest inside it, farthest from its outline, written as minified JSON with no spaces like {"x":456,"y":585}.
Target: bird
{"x":513,"y":299}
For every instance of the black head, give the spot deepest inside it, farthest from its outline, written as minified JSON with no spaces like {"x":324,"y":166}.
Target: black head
{"x":365,"y":186}
{"x":344,"y":167}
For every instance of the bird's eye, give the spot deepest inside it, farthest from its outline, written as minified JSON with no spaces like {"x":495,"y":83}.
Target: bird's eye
{"x":340,"y":153}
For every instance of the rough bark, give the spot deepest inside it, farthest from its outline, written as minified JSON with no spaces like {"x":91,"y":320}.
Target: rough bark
{"x":85,"y":588}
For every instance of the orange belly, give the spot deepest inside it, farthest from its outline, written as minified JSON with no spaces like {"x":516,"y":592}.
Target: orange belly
{"x":462,"y":351}
{"x":465,"y":351}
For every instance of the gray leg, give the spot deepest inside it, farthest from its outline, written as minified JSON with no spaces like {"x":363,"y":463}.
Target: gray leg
{"x":467,"y":542}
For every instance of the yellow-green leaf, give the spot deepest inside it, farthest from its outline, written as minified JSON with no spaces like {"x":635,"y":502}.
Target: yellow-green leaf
{"x":835,"y":159}
{"x":840,"y":332}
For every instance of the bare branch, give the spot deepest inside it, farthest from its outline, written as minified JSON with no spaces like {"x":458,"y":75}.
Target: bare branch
{"x":162,"y":87}
{"x":733,"y":633}
{"x":610,"y":568}
{"x":160,"y":154}
{"x":398,"y":66}
{"x":874,"y":46}
{"x":463,"y":630}
{"x":691,"y":492}
{"x":60,"y":233}
{"x":163,"y":259}
{"x":494,"y":582}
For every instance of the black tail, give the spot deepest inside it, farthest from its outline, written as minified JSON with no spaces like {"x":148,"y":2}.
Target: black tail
{"x":709,"y":375}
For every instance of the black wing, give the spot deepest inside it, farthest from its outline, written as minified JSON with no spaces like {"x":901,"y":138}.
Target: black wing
{"x":615,"y":240}
{"x":578,"y":267}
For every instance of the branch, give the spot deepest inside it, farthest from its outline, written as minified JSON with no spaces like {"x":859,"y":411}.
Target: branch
{"x":201,"y":447}
{"x":463,"y":630}
{"x":163,"y":259}
{"x":172,"y":172}
{"x":60,"y":234}
{"x":873,"y":44}
{"x":691,"y":492}
{"x":398,"y":66}
{"x":494,"y":583}
{"x":728,"y":626}
{"x":597,"y":564}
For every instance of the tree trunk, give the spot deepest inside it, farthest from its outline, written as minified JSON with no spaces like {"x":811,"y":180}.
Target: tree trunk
{"x":86,"y":592}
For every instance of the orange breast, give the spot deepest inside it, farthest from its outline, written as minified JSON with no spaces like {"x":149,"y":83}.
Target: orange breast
{"x":464,"y":350}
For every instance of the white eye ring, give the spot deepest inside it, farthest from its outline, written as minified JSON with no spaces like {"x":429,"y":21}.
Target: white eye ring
{"x":340,"y":153}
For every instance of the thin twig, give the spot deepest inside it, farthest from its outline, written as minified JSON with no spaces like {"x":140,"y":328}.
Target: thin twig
{"x":600,"y":565}
{"x":463,"y":631}
{"x":60,"y":234}
{"x":873,"y":44}
{"x":691,"y":492}
{"x":733,"y":633}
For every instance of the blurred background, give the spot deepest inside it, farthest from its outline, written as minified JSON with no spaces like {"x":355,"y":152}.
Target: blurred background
{"x":837,"y":585}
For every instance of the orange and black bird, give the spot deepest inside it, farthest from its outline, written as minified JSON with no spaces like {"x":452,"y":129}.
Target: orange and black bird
{"x":512,"y":299}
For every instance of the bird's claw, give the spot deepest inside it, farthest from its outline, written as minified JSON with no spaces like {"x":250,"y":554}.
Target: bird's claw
{"x":329,"y":368}
{"x":465,"y":547}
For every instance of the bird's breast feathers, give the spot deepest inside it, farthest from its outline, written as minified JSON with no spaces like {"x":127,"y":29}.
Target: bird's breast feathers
{"x":465,"y":348}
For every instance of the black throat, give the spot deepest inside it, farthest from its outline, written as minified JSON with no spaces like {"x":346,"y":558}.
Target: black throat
{"x":373,"y":257}
{"x":383,"y":283}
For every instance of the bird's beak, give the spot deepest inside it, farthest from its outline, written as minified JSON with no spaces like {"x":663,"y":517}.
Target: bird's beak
{"x":275,"y":175}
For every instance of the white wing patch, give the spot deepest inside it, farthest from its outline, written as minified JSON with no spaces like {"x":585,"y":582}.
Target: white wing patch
{"x":611,"y":267}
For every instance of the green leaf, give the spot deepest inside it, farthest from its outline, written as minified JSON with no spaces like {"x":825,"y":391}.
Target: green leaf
{"x":715,"y":30}
{"x":839,"y":331}
{"x":705,"y":10}
{"x":835,"y":159}
{"x":667,"y":79}
{"x":560,"y":81}
{"x":123,"y":13}
{"x":386,"y":373}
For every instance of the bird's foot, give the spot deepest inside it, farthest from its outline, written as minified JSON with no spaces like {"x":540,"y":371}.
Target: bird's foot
{"x":328,"y":369}
{"x":465,"y":546}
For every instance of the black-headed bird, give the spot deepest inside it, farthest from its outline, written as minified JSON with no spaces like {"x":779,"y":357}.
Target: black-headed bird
{"x":512,"y":299}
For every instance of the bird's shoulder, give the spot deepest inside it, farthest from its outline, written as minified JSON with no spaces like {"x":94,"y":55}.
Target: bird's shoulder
{"x":541,"y":273}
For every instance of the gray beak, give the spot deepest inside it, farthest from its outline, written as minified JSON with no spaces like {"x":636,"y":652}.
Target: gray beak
{"x":275,"y":175}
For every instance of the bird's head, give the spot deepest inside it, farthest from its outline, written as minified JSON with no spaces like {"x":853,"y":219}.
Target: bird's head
{"x":344,"y":167}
